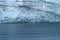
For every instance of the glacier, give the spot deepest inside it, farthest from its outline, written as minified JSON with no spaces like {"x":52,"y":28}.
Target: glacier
{"x":21,"y":11}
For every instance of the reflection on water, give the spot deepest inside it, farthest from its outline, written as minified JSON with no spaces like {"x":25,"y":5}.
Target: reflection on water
{"x":30,"y":31}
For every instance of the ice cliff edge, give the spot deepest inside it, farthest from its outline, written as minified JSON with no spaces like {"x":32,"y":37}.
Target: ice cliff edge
{"x":29,"y":11}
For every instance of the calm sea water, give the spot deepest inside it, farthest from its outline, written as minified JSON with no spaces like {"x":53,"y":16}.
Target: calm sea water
{"x":30,"y":31}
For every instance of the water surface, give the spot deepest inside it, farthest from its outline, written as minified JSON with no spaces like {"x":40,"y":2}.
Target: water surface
{"x":30,"y":31}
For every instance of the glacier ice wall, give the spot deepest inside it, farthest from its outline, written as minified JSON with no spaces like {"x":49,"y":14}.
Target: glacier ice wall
{"x":29,"y":11}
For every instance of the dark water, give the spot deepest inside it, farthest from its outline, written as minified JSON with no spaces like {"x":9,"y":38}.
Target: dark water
{"x":30,"y":31}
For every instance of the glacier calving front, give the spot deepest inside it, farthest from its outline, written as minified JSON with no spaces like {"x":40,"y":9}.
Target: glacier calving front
{"x":29,"y":11}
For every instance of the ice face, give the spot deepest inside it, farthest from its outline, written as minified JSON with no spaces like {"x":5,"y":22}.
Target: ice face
{"x":54,"y":1}
{"x":14,"y":2}
{"x":29,"y":11}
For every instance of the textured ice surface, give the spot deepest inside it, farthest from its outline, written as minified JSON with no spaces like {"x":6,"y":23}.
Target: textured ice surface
{"x":29,"y":11}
